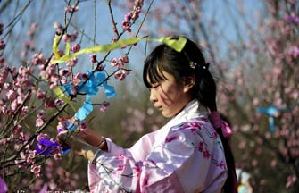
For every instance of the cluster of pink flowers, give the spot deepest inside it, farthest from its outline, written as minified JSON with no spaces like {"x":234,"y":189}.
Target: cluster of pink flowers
{"x":120,"y":62}
{"x":28,"y":158}
{"x":25,"y":96}
{"x":15,"y":90}
{"x":132,"y":16}
{"x":70,"y":37}
{"x":71,"y":8}
{"x":40,"y":120}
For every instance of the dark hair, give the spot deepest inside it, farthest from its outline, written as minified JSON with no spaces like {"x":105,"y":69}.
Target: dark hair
{"x":190,"y":62}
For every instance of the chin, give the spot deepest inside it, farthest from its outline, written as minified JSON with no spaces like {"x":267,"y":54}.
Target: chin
{"x":167,"y":115}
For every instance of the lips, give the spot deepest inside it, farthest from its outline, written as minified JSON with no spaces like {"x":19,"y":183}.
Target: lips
{"x":158,"y":106}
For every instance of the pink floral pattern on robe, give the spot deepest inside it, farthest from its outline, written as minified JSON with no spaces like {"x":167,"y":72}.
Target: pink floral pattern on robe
{"x":184,"y":156}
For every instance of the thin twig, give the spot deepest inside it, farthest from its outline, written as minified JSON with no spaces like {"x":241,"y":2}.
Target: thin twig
{"x":16,"y":19}
{"x":138,"y":30}
{"x":114,"y":28}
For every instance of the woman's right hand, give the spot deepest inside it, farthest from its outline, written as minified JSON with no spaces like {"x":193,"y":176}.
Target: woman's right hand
{"x":75,"y":141}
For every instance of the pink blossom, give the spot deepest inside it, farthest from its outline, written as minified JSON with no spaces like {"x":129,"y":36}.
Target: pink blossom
{"x":31,"y":156}
{"x":66,"y":37}
{"x":104,"y":106}
{"x":39,"y":122}
{"x":72,"y":62}
{"x":126,"y":25}
{"x":128,"y":17}
{"x":78,"y":77}
{"x":4,"y":141}
{"x":75,"y":48}
{"x":58,"y":102}
{"x":58,"y":27}
{"x":100,"y":67}
{"x":40,"y":118}
{"x":54,"y":81}
{"x":25,"y":110}
{"x":121,"y":74}
{"x":124,"y":59}
{"x":114,"y":62}
{"x":2,"y":44}
{"x":57,"y":156}
{"x":61,"y":127}
{"x":11,"y":94}
{"x":93,"y":58}
{"x":290,"y":181}
{"x":40,"y":94}
{"x":35,"y":169}
{"x":64,"y":72}
{"x":14,"y":105}
{"x":19,"y":163}
{"x":41,"y":114}
{"x":50,"y":69}
{"x":4,"y":109}
{"x":71,"y":8}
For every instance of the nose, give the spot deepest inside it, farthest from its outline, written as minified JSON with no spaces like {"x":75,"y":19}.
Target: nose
{"x":153,"y":97}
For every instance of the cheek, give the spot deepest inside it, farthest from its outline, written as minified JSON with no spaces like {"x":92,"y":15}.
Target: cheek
{"x":169,"y":94}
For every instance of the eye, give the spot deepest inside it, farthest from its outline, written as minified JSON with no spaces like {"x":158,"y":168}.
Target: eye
{"x":156,"y":85}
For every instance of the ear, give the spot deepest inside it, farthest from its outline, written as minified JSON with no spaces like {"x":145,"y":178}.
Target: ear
{"x":189,"y":83}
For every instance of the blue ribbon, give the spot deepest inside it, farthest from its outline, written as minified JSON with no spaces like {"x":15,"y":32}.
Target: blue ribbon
{"x":272,"y":111}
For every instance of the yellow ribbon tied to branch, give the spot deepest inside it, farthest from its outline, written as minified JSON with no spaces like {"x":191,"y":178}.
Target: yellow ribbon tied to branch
{"x":60,"y":94}
{"x":176,"y":43}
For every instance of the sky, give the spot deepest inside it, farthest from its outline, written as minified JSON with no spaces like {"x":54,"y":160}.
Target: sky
{"x":46,"y":12}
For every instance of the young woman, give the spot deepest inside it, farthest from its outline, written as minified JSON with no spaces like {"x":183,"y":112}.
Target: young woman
{"x":190,"y":154}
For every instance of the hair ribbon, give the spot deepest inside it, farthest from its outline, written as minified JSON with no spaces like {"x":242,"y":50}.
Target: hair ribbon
{"x":218,"y":123}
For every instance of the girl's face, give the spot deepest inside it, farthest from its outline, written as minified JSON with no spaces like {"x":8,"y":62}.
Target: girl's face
{"x":169,"y":96}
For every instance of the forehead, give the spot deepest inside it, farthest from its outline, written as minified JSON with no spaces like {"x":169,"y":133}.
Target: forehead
{"x":163,"y":76}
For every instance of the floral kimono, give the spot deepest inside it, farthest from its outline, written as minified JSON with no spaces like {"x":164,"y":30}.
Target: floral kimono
{"x":184,"y":156}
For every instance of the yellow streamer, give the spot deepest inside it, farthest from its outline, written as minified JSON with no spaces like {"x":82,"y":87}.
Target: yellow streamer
{"x":60,"y":94}
{"x":177,"y":44}
{"x":57,"y":38}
